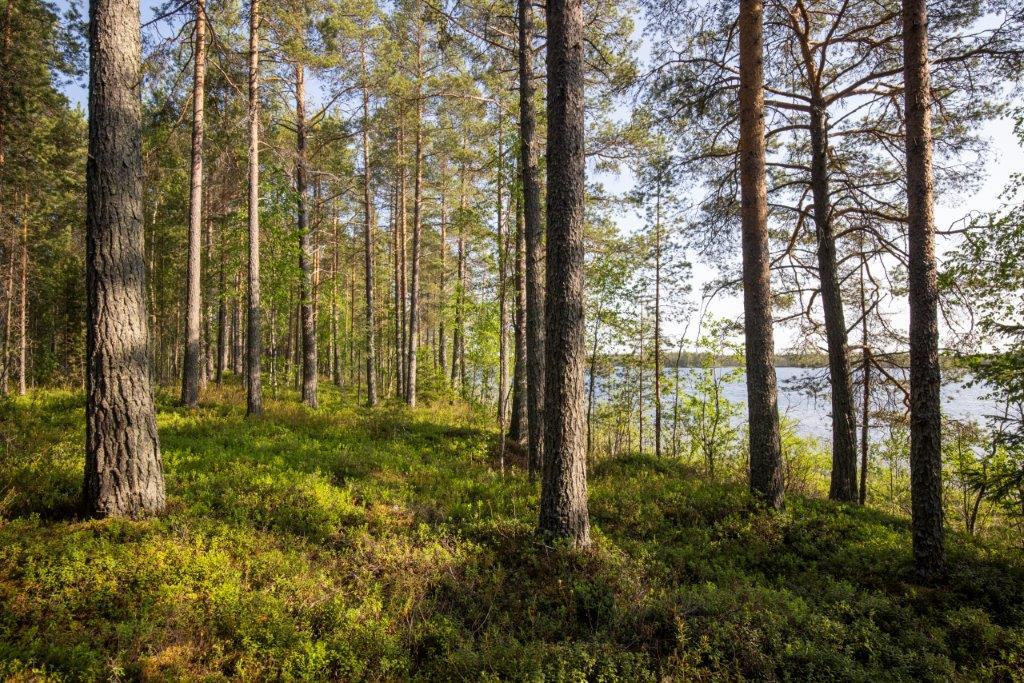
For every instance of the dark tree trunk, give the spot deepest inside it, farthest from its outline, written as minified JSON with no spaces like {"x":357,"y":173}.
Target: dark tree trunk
{"x":762,"y":408}
{"x":254,"y":397}
{"x":123,"y":468}
{"x":563,"y":500}
{"x":518,"y":427}
{"x":925,"y":377}
{"x":306,"y":255}
{"x":371,"y":349}
{"x":843,"y":485}
{"x":194,"y":364}
{"x":534,"y":242}
{"x":23,"y":291}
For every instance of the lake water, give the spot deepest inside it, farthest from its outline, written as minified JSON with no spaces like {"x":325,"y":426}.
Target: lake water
{"x":804,"y":397}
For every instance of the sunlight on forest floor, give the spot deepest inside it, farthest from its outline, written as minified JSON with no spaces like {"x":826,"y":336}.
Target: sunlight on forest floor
{"x":345,"y":543}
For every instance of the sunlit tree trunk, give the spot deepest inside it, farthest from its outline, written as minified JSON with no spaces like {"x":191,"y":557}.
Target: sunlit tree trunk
{"x":417,"y":229}
{"x":306,"y":254}
{"x":371,"y":349}
{"x":925,"y":376}
{"x":762,"y":407}
{"x":123,"y":467}
{"x":194,"y":362}
{"x":563,"y":500}
{"x":254,"y":396}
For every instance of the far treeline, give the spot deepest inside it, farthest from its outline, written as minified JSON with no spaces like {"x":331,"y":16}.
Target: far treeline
{"x":401,"y":199}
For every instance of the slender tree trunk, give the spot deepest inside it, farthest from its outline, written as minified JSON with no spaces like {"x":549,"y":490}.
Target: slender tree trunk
{"x":123,"y":468}
{"x":640,"y":382}
{"x":502,"y":289}
{"x":592,"y":384}
{"x":194,"y":362}
{"x":8,"y":319}
{"x":403,"y":294}
{"x":442,"y":276}
{"x":417,"y":228}
{"x":765,"y":443}
{"x":866,"y":396}
{"x":23,"y":336}
{"x":222,"y":318}
{"x":519,"y":427}
{"x":843,"y":485}
{"x":335,"y":324}
{"x":657,"y":324}
{"x":371,"y":350}
{"x":254,"y":397}
{"x":306,"y":255}
{"x":925,"y":376}
{"x":534,"y":242}
{"x":563,"y":501}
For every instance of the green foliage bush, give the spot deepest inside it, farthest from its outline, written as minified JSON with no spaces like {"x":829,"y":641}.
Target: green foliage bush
{"x":355,"y":545}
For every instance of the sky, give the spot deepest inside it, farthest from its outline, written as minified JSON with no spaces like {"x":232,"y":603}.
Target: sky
{"x":1006,"y":158}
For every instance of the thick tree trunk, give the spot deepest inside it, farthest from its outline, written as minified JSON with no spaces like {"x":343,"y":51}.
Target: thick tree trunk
{"x":371,"y":349}
{"x":762,"y":407}
{"x":563,"y":501}
{"x":925,"y":376}
{"x":534,"y":242}
{"x":306,"y":256}
{"x":194,"y":362}
{"x":123,"y":468}
{"x":254,"y":397}
{"x":519,"y":427}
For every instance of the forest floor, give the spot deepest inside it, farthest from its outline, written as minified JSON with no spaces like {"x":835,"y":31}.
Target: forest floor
{"x":348,"y":544}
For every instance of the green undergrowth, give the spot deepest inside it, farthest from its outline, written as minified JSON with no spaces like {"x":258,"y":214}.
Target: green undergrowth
{"x":350,"y":544}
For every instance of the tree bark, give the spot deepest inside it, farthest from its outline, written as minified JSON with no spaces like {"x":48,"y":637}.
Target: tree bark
{"x":843,"y":486}
{"x":23,"y":308}
{"x":657,"y":324}
{"x":417,"y":229}
{"x":194,"y":364}
{"x":502,"y":288}
{"x":371,"y":349}
{"x":518,"y":426}
{"x":123,"y":467}
{"x":563,"y":501}
{"x":925,"y":376}
{"x":534,"y":242}
{"x":308,"y":322}
{"x":254,"y":397}
{"x":762,"y":407}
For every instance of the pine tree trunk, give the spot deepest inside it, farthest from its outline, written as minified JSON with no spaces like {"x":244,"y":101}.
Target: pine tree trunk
{"x":442,"y":277}
{"x":843,"y":485}
{"x":765,"y":443}
{"x":925,"y":376}
{"x":657,"y":325}
{"x":123,"y":468}
{"x":417,"y":228}
{"x":563,"y":501}
{"x":23,"y":290}
{"x":306,"y":255}
{"x":534,"y":242}
{"x":371,"y":349}
{"x":403,"y":294}
{"x":502,"y":291}
{"x":518,"y":427}
{"x":254,"y":397}
{"x":194,"y":362}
